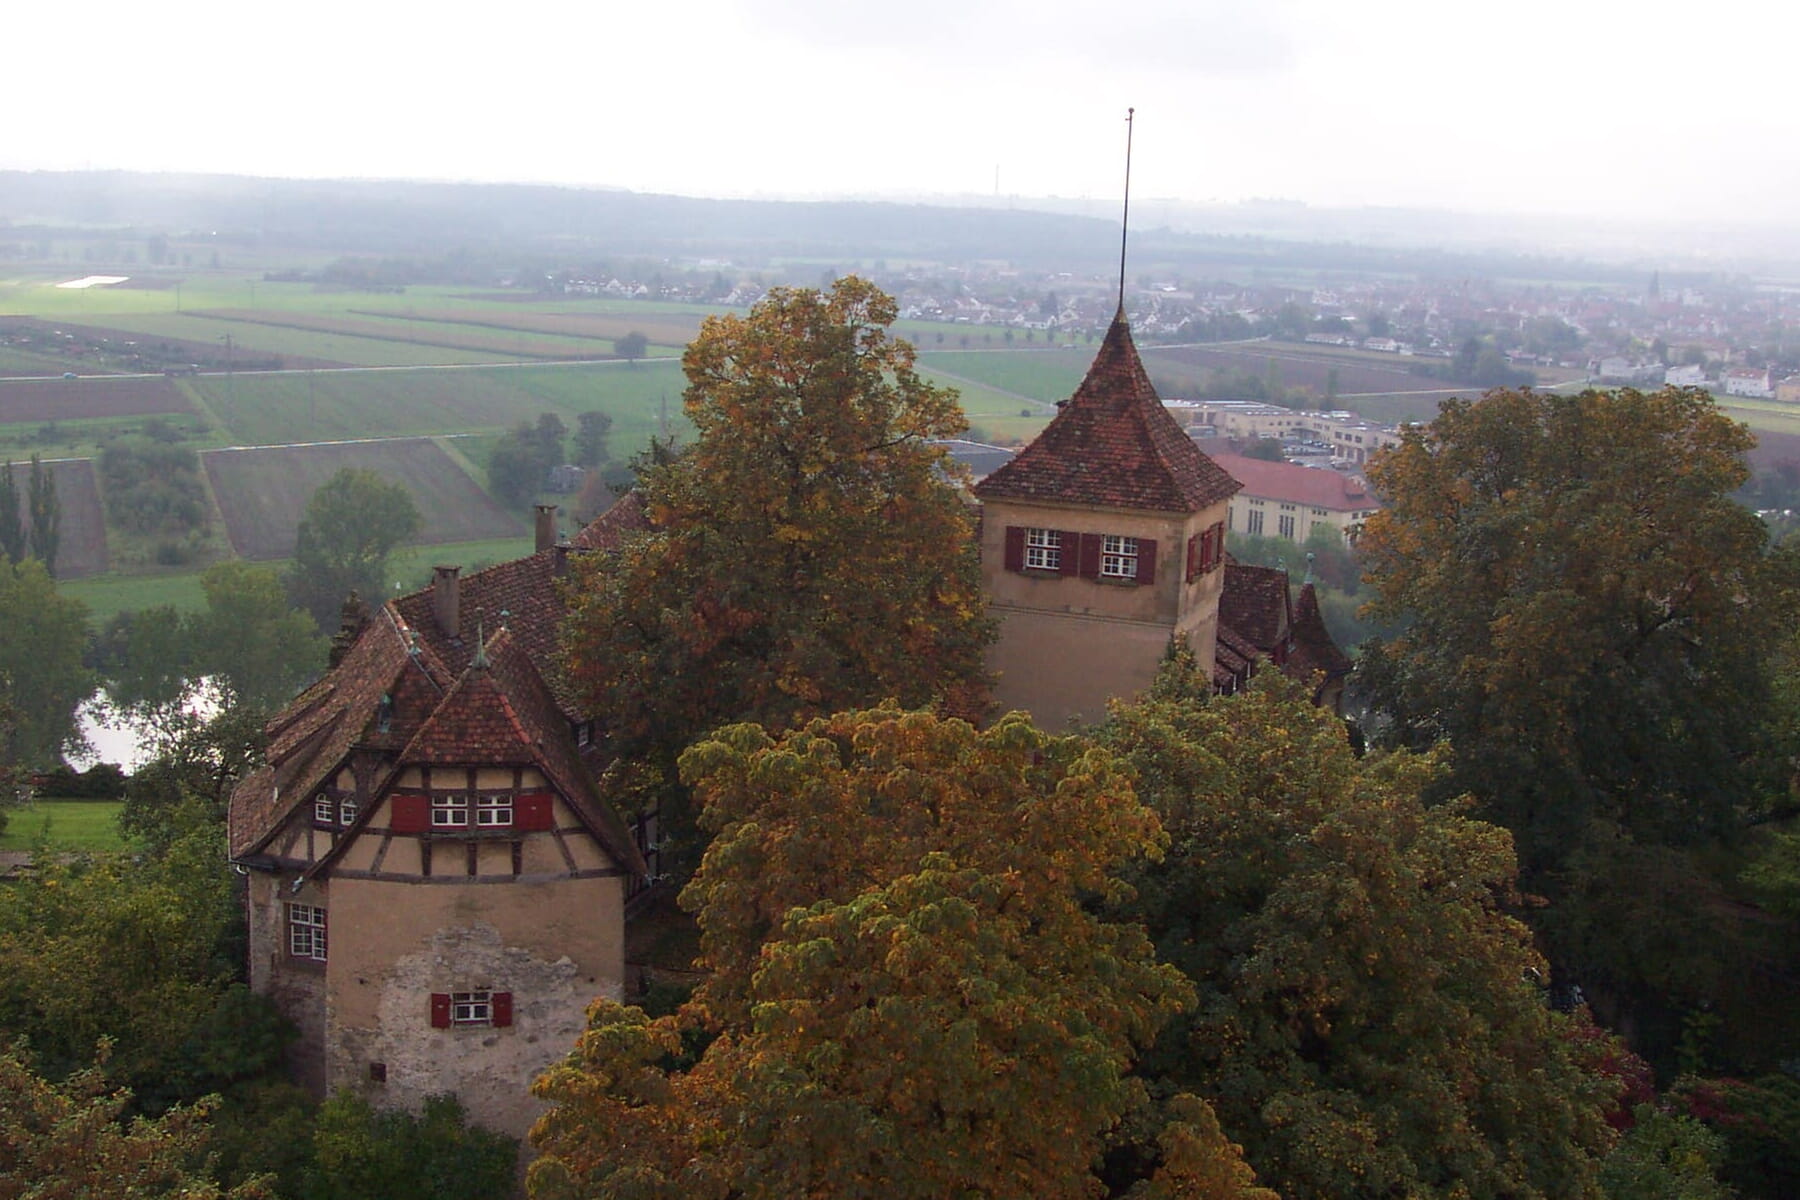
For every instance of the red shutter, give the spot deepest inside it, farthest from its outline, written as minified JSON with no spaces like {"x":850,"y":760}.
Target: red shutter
{"x":1146,"y":573}
{"x":440,"y":1010}
{"x":409,"y":812}
{"x":1196,"y":561}
{"x":502,"y":1008}
{"x":1015,"y":547}
{"x":1071,"y":552}
{"x":534,"y":811}
{"x":1090,"y":555}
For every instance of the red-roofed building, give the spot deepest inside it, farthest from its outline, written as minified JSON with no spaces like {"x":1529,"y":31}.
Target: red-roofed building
{"x":1282,"y":500}
{"x":436,"y":887}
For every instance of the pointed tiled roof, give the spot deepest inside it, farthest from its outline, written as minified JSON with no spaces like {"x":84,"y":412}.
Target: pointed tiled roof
{"x":1254,"y":603}
{"x":1314,"y":651}
{"x":1113,"y":444}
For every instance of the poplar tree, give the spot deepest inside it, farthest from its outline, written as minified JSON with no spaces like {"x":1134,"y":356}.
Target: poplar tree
{"x":12,"y":524}
{"x":46,"y":515}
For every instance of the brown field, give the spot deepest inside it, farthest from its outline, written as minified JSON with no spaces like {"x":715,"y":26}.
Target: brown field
{"x":89,"y":396}
{"x":263,"y":490}
{"x":663,"y":329}
{"x":1772,"y":447}
{"x":81,"y":547}
{"x":1297,"y":370}
{"x":409,"y":330}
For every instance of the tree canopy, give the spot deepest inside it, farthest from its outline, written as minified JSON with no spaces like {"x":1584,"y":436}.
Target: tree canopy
{"x":809,"y":552}
{"x":1370,"y":1021}
{"x":352,"y":523}
{"x":908,"y":996}
{"x":42,"y":679}
{"x":1590,"y":612}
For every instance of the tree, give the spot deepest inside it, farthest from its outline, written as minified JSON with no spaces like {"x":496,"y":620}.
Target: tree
{"x":71,"y":1140}
{"x":12,"y":521}
{"x":352,"y":523}
{"x":631,"y":346}
{"x":909,"y":994}
{"x":147,"y":659}
{"x":1265,"y":448}
{"x":809,"y":551}
{"x":46,"y":515}
{"x":1367,"y":1024}
{"x":1590,"y":612}
{"x":250,"y":641}
{"x":42,"y":679}
{"x":591,"y":431}
{"x":1590,"y":630}
{"x":521,"y":459}
{"x":365,"y":1154}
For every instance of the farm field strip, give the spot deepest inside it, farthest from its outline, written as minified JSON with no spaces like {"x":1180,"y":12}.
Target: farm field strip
{"x":408,"y":331}
{"x":662,"y":329}
{"x":303,"y":406}
{"x":29,"y":400}
{"x":297,"y":347}
{"x":262,"y":491}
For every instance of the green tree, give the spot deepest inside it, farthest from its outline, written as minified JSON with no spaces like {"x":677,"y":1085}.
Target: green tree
{"x":257,"y":647}
{"x":188,"y":784}
{"x":365,"y":1154}
{"x":352,"y":523}
{"x":1367,"y":1024}
{"x":1665,"y":1156}
{"x":12,"y":521}
{"x":1590,"y":612}
{"x":46,"y":515}
{"x":631,"y":346}
{"x":1590,"y":616}
{"x":809,"y":551}
{"x":909,"y":994}
{"x":591,"y":430}
{"x":149,"y":659}
{"x":42,"y":679}
{"x":1266,"y":449}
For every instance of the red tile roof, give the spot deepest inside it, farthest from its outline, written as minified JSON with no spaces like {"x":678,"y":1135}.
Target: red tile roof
{"x":1314,"y":651}
{"x":1113,"y":444}
{"x":1310,"y":486}
{"x":1254,"y":603}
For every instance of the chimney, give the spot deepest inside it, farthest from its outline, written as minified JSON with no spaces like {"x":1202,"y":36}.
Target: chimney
{"x":546,"y":526}
{"x":446,"y":600}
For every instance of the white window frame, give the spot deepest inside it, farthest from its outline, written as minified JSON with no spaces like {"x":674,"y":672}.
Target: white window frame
{"x":306,"y":932}
{"x":1043,"y":549}
{"x":471,"y":1008}
{"x":449,"y":811}
{"x":1118,"y":556}
{"x":494,"y":812}
{"x":324,"y":809}
{"x":346,"y":811}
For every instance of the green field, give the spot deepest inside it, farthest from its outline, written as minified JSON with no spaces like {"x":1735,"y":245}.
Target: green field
{"x":1043,"y":375}
{"x":64,"y":825}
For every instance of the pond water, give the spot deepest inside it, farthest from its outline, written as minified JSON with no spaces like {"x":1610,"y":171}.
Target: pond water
{"x":118,"y":737}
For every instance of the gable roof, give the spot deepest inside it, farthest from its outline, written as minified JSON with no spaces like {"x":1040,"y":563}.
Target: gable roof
{"x":1310,"y":486}
{"x":1254,"y":603}
{"x":1314,"y":651}
{"x":1113,"y":444}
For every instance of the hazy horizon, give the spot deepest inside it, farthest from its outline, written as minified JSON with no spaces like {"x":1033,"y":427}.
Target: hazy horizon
{"x":1585,"y":111}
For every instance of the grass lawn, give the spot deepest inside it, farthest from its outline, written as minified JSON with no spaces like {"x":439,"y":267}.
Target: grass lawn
{"x":1046,"y":375}
{"x":68,"y":825}
{"x":111,"y":594}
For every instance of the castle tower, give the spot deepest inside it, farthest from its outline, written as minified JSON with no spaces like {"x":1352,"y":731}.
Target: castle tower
{"x":1101,"y":541}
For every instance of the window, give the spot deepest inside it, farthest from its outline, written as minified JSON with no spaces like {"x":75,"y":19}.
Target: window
{"x":1118,"y":557}
{"x":449,"y":811}
{"x":1286,"y":526}
{"x":494,"y":810}
{"x":485,"y":1008}
{"x":346,"y":811}
{"x":306,"y":932}
{"x":1043,"y":549}
{"x":323,"y":809}
{"x":1253,"y":524}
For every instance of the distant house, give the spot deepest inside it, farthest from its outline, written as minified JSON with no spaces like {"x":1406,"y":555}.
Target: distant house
{"x":1788,"y":390}
{"x":1691,"y":375}
{"x":1749,"y":382}
{"x":1285,"y":501}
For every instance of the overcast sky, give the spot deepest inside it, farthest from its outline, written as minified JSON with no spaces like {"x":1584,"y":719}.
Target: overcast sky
{"x":1589,"y":107}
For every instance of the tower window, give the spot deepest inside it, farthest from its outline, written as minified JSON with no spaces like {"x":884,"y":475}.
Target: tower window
{"x":1043,"y":549}
{"x":1118,"y":557}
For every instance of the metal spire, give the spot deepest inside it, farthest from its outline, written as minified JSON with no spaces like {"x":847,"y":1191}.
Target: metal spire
{"x":1125,"y":222}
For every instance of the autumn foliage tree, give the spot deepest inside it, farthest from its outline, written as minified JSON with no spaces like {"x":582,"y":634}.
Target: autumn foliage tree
{"x":1370,"y":1021}
{"x":911,"y":993}
{"x":809,"y":553}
